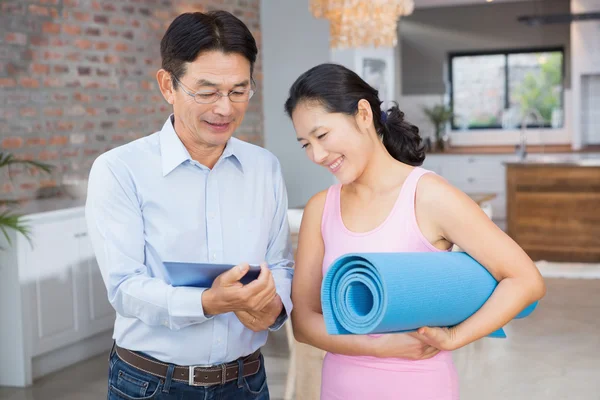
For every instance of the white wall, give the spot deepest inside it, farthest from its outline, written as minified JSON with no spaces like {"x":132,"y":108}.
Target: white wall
{"x":585,"y":61}
{"x":354,"y":59}
{"x":292,"y":42}
{"x":451,"y":3}
{"x":413,"y":105}
{"x":428,"y":35}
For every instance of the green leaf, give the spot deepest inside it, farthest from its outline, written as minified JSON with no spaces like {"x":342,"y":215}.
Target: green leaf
{"x":438,"y":115}
{"x":9,"y":220}
{"x":7,"y":159}
{"x":541,"y":90}
{"x":6,"y":203}
{"x":15,"y":222}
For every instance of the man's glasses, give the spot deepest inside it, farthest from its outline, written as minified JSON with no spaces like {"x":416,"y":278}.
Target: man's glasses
{"x":212,"y":96}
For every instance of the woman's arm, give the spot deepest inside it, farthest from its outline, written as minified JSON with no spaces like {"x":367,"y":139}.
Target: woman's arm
{"x":307,"y":315}
{"x":459,"y":220}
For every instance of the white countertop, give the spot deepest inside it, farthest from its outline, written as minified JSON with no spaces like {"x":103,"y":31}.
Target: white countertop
{"x":38,"y":206}
{"x":580,"y":160}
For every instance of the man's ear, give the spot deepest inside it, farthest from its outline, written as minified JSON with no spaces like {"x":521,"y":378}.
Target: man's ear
{"x":364,"y":116}
{"x":165,"y":83}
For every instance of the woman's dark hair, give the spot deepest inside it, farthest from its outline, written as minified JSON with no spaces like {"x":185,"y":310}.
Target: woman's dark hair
{"x":192,"y":33}
{"x":339,"y":90}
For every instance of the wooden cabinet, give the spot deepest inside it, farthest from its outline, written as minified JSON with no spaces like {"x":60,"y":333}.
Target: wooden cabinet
{"x":57,"y":312}
{"x":554,"y":210}
{"x":487,"y":173}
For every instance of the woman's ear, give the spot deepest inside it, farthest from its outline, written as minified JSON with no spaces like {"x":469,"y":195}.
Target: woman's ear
{"x":364,"y":116}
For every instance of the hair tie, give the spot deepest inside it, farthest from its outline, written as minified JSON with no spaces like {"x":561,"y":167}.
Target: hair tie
{"x":383,"y":117}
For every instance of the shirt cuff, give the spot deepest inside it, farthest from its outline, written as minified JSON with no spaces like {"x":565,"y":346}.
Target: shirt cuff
{"x":185,"y":307}
{"x":284,"y":314}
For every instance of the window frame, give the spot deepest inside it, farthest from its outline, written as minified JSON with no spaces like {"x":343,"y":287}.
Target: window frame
{"x":505,"y":52}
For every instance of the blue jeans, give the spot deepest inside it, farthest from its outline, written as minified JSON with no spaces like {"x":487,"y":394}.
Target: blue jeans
{"x":129,"y":383}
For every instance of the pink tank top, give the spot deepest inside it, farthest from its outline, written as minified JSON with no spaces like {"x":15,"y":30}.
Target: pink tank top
{"x":398,"y":233}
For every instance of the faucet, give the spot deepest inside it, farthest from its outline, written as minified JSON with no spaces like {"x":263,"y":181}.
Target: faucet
{"x":521,"y":148}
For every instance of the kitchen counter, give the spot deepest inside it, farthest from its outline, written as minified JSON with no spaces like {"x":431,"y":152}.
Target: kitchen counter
{"x":53,"y":204}
{"x":552,"y":208}
{"x":510,"y":149}
{"x":579,"y":160}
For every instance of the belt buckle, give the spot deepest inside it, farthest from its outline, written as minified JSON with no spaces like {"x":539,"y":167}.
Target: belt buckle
{"x":192,"y":374}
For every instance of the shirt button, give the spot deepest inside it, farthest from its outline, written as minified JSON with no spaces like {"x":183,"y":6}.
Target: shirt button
{"x":165,"y":323}
{"x":214,"y":257}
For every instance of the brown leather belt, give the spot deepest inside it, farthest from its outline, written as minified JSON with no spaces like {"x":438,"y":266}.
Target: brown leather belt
{"x":193,"y":375}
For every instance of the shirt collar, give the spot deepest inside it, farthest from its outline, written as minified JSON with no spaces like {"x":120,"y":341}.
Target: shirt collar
{"x":234,"y":153}
{"x":173,"y":152}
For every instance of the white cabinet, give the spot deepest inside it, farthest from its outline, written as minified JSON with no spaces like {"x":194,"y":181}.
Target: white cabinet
{"x":64,"y":315}
{"x":48,"y":279}
{"x":474,"y":174}
{"x":585,"y":65}
{"x":482,"y":173}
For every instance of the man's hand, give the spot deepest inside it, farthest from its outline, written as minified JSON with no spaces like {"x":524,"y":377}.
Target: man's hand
{"x":261,"y":320}
{"x":228,"y":294}
{"x":403,"y":345}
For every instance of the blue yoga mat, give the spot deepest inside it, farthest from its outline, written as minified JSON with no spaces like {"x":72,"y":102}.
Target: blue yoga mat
{"x":367,"y":293}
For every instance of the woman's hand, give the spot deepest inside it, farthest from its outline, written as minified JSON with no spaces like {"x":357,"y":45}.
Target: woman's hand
{"x":403,"y":345}
{"x":459,"y":220}
{"x":440,"y":338}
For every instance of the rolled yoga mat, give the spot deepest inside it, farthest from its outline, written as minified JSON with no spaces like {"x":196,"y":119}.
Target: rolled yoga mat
{"x":366,"y":293}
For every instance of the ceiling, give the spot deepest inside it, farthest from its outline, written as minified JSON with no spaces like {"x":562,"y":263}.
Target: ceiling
{"x":449,"y":3}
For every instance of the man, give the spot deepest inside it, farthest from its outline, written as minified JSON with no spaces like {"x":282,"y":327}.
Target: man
{"x":192,"y":193}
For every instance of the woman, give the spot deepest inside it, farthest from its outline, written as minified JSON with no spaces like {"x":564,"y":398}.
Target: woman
{"x":386,"y":203}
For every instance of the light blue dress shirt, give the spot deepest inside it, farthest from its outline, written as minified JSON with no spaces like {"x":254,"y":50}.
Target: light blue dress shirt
{"x":149,"y":202}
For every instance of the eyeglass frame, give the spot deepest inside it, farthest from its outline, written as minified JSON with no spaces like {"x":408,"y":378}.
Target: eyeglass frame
{"x":185,"y":89}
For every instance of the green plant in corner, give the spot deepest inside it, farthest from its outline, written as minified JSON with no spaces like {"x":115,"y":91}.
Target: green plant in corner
{"x":9,"y":219}
{"x":439,"y":115}
{"x":542,"y":89}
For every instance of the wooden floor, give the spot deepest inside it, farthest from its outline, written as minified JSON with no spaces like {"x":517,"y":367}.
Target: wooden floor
{"x":67,"y":384}
{"x":554,"y":354}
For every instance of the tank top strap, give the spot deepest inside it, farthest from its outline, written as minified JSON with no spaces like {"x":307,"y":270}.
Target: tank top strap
{"x":331,"y":210}
{"x":409,"y":190}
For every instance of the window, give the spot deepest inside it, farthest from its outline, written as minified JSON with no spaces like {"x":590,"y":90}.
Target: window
{"x":497,"y":90}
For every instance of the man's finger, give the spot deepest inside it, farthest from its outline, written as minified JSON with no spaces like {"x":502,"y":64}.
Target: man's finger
{"x":234,"y":274}
{"x":266,"y":295}
{"x":265,"y":272}
{"x":261,"y":282}
{"x":262,"y":298}
{"x":244,"y":317}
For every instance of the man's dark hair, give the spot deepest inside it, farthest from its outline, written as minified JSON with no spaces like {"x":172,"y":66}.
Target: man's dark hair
{"x":193,"y":33}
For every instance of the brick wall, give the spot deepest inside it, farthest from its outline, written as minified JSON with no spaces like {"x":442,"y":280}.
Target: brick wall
{"x":77,"y":77}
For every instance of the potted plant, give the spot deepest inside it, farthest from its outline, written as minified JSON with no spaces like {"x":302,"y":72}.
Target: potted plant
{"x":439,"y":115}
{"x":9,"y":219}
